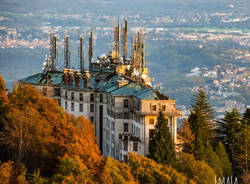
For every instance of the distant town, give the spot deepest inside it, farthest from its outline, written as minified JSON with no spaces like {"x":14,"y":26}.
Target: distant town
{"x":226,"y":82}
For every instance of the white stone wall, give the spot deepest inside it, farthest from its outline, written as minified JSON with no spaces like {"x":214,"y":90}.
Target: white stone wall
{"x":113,"y":127}
{"x":149,"y":113}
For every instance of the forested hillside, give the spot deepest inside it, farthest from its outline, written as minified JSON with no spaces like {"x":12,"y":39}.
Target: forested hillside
{"x":40,"y":143}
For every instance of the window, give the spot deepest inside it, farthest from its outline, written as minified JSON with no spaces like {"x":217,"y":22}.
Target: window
{"x":66,"y":94}
{"x":138,"y":106}
{"x":125,"y":103}
{"x":113,"y":138}
{"x":91,"y":97}
{"x":92,"y":119}
{"x":153,"y":107}
{"x":57,"y":92}
{"x":44,"y":91}
{"x":125,"y":146}
{"x":125,"y":158}
{"x":72,"y":106}
{"x":151,"y":121}
{"x":72,"y":95}
{"x":135,"y":146}
{"x":163,"y":107}
{"x":108,"y":124}
{"x":81,"y":108}
{"x":151,"y":133}
{"x":112,"y":151}
{"x":107,"y":135}
{"x":125,"y":126}
{"x":108,"y":100}
{"x":81,"y":97}
{"x":66,"y":105}
{"x":107,"y":148}
{"x":91,"y":107}
{"x":138,"y":132}
{"x":113,"y":125}
{"x":101,"y":98}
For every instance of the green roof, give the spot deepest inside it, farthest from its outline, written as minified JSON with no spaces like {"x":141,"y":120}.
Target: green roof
{"x":55,"y":78}
{"x":134,"y":89}
{"x":33,"y":79}
{"x":102,"y":80}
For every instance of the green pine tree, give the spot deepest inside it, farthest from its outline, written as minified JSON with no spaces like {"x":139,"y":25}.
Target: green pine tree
{"x":245,"y":141}
{"x":161,"y":147}
{"x":202,"y":126}
{"x":224,"y":160}
{"x":202,"y":133}
{"x":228,"y":130}
{"x":200,"y":119}
{"x":202,"y":105}
{"x":212,"y":159}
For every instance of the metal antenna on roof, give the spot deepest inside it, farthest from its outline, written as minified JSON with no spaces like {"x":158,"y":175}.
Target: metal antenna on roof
{"x":66,"y":52}
{"x":53,"y":52}
{"x":81,"y":55}
{"x":116,"y":42}
{"x":91,"y":43}
{"x":124,"y":40}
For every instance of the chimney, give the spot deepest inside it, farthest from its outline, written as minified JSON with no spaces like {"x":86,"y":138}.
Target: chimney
{"x":48,"y":77}
{"x":78,"y":77}
{"x":86,"y":79}
{"x":65,"y":76}
{"x":70,"y":77}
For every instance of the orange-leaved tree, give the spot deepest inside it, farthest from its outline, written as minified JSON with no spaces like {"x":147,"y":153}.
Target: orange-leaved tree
{"x":146,"y":170}
{"x":38,"y":133}
{"x":116,"y":172}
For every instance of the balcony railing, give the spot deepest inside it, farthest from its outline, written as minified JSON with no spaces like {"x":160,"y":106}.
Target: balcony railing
{"x":174,"y":112}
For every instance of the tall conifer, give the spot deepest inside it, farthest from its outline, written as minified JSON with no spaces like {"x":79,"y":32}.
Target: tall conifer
{"x":229,"y":133}
{"x":224,"y":160}
{"x":201,"y":122}
{"x":161,"y":147}
{"x":245,"y":141}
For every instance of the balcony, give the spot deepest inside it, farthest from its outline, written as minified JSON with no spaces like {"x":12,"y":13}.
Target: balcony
{"x":126,"y":136}
{"x":172,"y":112}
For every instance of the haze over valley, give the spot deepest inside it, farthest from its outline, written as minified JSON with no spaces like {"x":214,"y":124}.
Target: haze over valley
{"x":189,"y":43}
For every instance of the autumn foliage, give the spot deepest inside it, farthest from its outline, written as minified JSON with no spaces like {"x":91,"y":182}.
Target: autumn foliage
{"x":38,"y":133}
{"x":146,"y":170}
{"x":41,"y":144}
